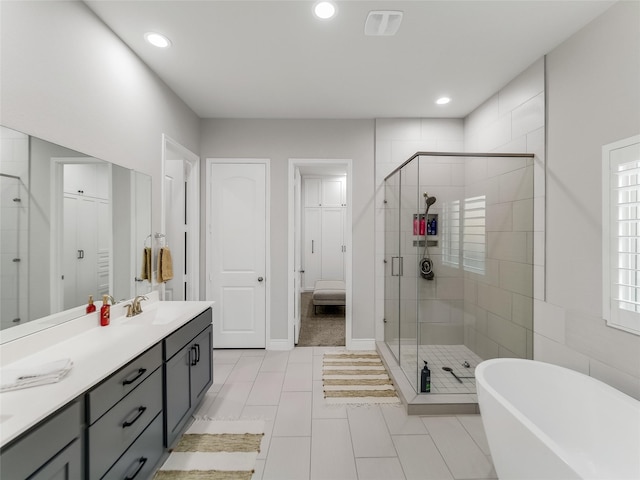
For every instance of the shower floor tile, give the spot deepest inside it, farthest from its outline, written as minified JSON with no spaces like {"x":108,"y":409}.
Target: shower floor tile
{"x":439,"y":356}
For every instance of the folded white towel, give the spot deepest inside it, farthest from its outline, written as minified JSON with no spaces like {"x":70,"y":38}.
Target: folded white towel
{"x":34,"y":375}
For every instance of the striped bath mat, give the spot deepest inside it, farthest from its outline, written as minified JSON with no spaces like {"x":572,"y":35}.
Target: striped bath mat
{"x":356,"y":378}
{"x":215,"y":450}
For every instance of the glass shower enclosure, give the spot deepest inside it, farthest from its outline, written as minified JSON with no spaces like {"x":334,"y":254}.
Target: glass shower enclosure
{"x":458,"y":289}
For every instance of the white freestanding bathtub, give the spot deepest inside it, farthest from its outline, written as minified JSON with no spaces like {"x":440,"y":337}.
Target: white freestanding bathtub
{"x":547,"y":422}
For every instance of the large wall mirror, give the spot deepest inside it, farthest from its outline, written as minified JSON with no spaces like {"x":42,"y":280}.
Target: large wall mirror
{"x":70,"y":226}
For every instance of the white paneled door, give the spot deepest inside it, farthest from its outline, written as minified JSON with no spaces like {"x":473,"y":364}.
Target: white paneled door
{"x":237,"y":252}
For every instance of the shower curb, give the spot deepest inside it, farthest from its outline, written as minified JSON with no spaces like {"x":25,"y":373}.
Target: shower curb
{"x":425,"y":404}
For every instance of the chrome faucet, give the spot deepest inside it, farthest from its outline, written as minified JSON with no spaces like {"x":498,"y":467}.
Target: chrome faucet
{"x":135,"y":305}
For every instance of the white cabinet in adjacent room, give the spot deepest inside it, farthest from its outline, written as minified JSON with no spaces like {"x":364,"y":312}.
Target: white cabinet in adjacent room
{"x":324,"y":229}
{"x":332,"y":243}
{"x":325,"y":191}
{"x":87,"y":233}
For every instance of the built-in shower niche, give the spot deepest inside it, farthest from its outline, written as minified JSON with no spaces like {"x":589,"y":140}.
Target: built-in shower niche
{"x":425,"y":227}
{"x":477,"y":221}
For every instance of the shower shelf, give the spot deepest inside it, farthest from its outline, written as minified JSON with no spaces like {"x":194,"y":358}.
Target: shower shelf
{"x":430,"y":243}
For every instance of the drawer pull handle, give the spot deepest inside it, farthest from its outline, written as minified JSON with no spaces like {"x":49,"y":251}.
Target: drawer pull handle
{"x":140,"y":412}
{"x":192,"y":358}
{"x":141,"y":461}
{"x":141,"y":372}
{"x":197,"y":346}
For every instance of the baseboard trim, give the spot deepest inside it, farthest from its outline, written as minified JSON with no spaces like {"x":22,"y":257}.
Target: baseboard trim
{"x":361,"y":344}
{"x":282,"y":344}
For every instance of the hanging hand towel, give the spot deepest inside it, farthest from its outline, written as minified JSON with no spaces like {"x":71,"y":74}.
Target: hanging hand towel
{"x":165,"y":265}
{"x":31,"y":376}
{"x":145,"y":273}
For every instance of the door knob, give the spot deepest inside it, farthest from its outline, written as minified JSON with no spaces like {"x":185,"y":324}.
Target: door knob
{"x":260,"y":279}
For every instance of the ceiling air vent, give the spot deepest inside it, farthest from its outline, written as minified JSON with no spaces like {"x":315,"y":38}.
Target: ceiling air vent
{"x":382,"y":23}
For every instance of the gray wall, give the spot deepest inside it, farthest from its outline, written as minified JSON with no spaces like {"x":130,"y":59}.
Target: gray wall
{"x":68,"y":79}
{"x":593,"y":88}
{"x":280,"y":140}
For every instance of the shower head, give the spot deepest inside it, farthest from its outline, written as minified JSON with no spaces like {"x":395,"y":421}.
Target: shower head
{"x":430,"y":200}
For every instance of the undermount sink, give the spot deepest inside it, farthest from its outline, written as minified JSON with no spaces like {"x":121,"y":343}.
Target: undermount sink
{"x":159,"y":313}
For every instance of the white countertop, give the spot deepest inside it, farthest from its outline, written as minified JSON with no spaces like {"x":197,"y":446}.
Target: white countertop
{"x":96,"y":353}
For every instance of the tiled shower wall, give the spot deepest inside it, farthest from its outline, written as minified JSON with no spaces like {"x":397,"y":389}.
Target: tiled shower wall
{"x":396,"y":141}
{"x":499,"y":303}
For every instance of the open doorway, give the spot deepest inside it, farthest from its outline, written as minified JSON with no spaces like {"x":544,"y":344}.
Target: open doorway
{"x":180,"y":220}
{"x":320,"y":253}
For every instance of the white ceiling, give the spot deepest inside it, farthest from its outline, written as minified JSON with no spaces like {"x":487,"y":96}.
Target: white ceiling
{"x":274,"y":59}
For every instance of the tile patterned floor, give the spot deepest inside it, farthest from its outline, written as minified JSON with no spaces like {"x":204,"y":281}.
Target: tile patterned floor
{"x":439,"y":356}
{"x":307,"y":440}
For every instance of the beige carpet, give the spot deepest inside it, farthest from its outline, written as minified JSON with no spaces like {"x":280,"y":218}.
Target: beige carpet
{"x":356,"y":378}
{"x":326,"y":328}
{"x":215,"y":450}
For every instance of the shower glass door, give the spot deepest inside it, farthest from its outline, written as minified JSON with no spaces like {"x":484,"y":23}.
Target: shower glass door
{"x":410,"y":230}
{"x":392,"y":265}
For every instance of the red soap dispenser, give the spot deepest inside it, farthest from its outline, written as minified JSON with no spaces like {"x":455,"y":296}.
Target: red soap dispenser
{"x":105,"y":311}
{"x":90,"y":306}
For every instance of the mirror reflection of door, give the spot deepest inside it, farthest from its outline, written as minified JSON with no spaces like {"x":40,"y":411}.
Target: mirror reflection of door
{"x":141,"y":236}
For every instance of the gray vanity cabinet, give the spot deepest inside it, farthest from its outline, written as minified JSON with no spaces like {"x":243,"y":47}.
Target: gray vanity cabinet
{"x":51,"y":451}
{"x":119,"y":428}
{"x":188,"y":373}
{"x":122,"y":414}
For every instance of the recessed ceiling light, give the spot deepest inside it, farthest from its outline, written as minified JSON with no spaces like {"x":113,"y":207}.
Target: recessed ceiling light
{"x":157,"y":40}
{"x":443,"y":100}
{"x":324,"y":10}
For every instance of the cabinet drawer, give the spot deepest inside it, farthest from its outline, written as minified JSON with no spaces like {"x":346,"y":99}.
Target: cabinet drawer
{"x":118,"y":385}
{"x":174,"y":342}
{"x":39,"y":446}
{"x":139,"y":461}
{"x":67,"y":465}
{"x":110,"y":436}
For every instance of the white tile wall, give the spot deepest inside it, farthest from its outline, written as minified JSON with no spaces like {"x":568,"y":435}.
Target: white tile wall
{"x":549,"y":321}
{"x":396,"y":141}
{"x":516,"y":277}
{"x":528,"y":117}
{"x":510,"y":121}
{"x":589,"y":334}
{"x":559,"y":354}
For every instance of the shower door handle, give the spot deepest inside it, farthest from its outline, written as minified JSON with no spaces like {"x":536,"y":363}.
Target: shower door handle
{"x":395,"y":260}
